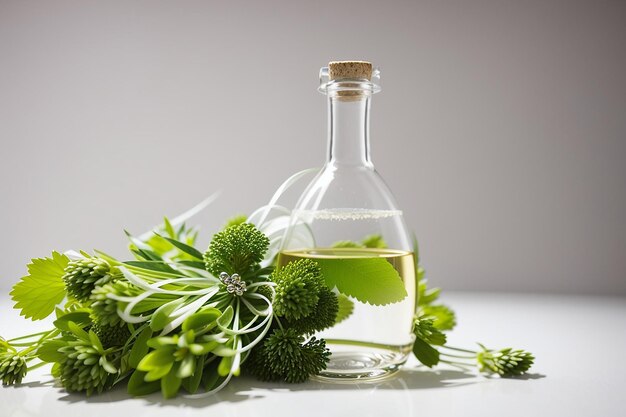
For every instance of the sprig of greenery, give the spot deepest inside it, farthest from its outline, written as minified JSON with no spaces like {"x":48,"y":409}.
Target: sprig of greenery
{"x":506,"y":362}
{"x":175,"y":317}
{"x":430,"y":346}
{"x":443,"y":316}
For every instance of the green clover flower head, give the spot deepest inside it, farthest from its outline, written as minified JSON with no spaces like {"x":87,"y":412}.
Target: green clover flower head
{"x":83,"y":275}
{"x":505,"y":362}
{"x":12,"y":368}
{"x":86,"y":365}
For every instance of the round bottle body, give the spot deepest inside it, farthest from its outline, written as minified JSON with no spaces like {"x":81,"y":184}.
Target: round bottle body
{"x":350,"y":214}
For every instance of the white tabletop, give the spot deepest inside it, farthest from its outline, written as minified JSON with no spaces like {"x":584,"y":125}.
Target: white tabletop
{"x":580,"y":370}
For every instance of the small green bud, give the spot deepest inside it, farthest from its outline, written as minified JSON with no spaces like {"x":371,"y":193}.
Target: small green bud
{"x":83,"y":275}
{"x":12,"y":368}
{"x":505,"y":362}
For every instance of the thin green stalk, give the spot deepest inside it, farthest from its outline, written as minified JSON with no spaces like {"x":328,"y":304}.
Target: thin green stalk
{"x":459,"y":349}
{"x":26,"y":337}
{"x":37,"y":365}
{"x":460,"y":365}
{"x":457,"y":356}
{"x":35,"y":346}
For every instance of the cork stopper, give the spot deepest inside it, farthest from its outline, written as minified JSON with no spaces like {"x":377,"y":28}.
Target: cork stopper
{"x":349,"y":69}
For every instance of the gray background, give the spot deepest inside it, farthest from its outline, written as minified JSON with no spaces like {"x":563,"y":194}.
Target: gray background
{"x":501,"y":126}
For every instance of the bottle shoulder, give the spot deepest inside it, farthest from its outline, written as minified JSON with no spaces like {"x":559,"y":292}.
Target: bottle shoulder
{"x":347,"y":187}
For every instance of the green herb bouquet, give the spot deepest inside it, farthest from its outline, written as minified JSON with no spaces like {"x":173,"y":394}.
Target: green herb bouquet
{"x":178,"y":318}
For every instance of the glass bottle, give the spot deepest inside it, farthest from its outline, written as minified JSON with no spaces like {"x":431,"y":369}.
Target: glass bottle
{"x":350,"y":213}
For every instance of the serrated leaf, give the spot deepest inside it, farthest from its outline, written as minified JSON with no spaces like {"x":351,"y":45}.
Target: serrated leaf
{"x":443,"y":317}
{"x":425,"y":295}
{"x":369,"y":280}
{"x":346,"y":306}
{"x":42,"y":289}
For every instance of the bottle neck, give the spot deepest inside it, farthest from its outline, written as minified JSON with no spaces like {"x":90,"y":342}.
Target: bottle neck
{"x":348,"y":130}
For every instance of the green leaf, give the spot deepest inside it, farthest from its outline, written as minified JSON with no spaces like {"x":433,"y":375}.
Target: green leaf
{"x":346,"y":244}
{"x":159,"y":372}
{"x":140,"y":347}
{"x":108,"y":366}
{"x":158,"y":266}
{"x":157,"y":244}
{"x":202,"y":321}
{"x":424,"y":330}
{"x":189,"y":250}
{"x":138,"y":386}
{"x":425,"y":353}
{"x":203,"y":348}
{"x":223,"y":369}
{"x":425,"y":295}
{"x":192,"y":383}
{"x":443,"y":317}
{"x":210,"y":377}
{"x":187,"y":366}
{"x":147,"y":254}
{"x":95,"y":341}
{"x":346,"y":306}
{"x":169,"y":229}
{"x":193,"y":264}
{"x":156,"y":359}
{"x":78,"y":331}
{"x":80,"y":317}
{"x":369,"y":280}
{"x":416,"y":250}
{"x":224,"y":320}
{"x":162,"y":316}
{"x":170,"y":383}
{"x":374,"y":241}
{"x":162,"y":341}
{"x":49,"y":351}
{"x":42,"y":289}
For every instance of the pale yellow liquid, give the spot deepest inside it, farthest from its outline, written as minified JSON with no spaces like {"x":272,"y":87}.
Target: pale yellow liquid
{"x":375,"y":340}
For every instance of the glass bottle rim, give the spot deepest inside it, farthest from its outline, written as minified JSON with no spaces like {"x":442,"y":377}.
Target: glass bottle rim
{"x":349,"y":84}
